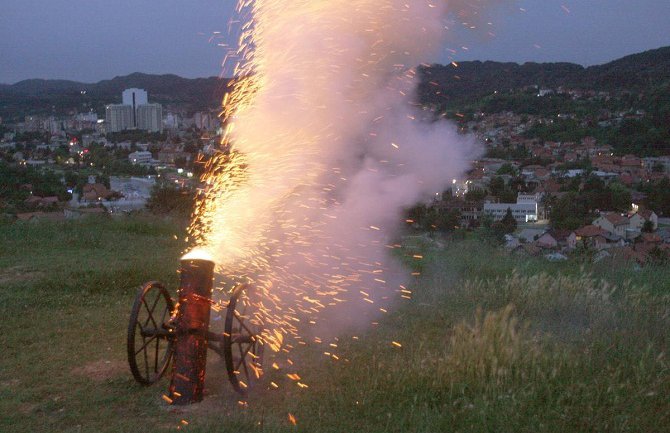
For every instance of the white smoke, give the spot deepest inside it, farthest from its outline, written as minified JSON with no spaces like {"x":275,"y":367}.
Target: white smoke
{"x":336,"y":148}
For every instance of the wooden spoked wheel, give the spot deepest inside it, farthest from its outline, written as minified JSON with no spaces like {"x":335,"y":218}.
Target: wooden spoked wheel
{"x":242,"y":345}
{"x":150,"y":336}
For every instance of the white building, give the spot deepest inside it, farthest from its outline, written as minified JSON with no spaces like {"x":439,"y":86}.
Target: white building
{"x":150,"y":117}
{"x":522,"y":212}
{"x":140,"y":157}
{"x":526,"y":208}
{"x":134,"y":113}
{"x":528,"y":198}
{"x":118,"y":117}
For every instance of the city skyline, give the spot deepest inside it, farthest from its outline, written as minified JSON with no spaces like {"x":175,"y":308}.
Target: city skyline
{"x":92,"y":41}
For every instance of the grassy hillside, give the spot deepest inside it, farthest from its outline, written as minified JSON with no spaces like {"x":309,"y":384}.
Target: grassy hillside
{"x":490,"y":343}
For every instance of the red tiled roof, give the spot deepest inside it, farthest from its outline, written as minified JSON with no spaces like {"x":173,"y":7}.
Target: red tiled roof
{"x":616,"y":219}
{"x":560,"y":235}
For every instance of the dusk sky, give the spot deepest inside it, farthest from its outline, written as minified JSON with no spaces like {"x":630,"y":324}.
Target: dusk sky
{"x":92,"y":40}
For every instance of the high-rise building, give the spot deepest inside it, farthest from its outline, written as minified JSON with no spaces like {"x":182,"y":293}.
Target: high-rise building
{"x":134,"y":98}
{"x":118,"y":117}
{"x":134,"y":113}
{"x":150,"y":117}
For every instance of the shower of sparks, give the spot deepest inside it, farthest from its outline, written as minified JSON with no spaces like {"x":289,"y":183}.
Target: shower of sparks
{"x":275,"y":207}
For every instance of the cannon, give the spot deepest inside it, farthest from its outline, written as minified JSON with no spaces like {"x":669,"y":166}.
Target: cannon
{"x":166,"y":332}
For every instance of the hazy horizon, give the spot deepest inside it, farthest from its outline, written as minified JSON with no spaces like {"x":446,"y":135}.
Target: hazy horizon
{"x":213,"y":76}
{"x":90,"y":41}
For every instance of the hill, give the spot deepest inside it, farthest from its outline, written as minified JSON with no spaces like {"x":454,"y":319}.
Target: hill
{"x":60,"y":97}
{"x":462,"y":83}
{"x":440,"y":85}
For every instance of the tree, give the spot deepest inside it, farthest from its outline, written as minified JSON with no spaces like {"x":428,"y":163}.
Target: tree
{"x":658,"y":196}
{"x":497,"y":186}
{"x":475,"y":194}
{"x":508,"y":222}
{"x":620,"y":195}
{"x":648,"y":226}
{"x":448,"y":221}
{"x":506,"y":168}
{"x":658,"y":256}
{"x":167,"y":198}
{"x":569,"y":212}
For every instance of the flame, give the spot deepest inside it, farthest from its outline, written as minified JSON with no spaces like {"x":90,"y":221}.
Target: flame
{"x":198,"y":254}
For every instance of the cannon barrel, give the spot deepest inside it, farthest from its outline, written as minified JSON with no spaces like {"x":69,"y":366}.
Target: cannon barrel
{"x":191,"y":329}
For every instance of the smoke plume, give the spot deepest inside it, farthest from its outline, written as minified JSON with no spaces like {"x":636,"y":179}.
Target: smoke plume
{"x":330,"y":146}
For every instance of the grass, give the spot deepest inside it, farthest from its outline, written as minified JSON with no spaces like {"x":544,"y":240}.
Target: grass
{"x":490,"y":343}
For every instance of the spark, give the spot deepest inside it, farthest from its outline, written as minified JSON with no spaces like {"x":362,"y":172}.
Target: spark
{"x":273,"y":205}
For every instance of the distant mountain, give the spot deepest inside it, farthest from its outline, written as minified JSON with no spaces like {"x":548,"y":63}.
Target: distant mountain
{"x":455,"y":84}
{"x":634,"y":72}
{"x":440,"y":84}
{"x":36,"y":87}
{"x":62,"y":97}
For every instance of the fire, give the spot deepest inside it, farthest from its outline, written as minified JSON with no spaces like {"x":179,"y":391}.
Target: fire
{"x":198,"y":254}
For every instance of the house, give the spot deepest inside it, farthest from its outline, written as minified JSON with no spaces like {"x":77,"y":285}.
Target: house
{"x":614,"y":240}
{"x":547,"y":241}
{"x":566,"y":239}
{"x":591,"y":236}
{"x":638,"y":219}
{"x":613,"y":222}
{"x":93,"y":192}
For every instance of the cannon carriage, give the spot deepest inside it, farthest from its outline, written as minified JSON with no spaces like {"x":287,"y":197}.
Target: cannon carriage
{"x":166,"y":332}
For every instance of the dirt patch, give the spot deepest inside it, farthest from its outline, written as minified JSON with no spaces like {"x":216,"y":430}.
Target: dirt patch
{"x":11,"y":383}
{"x":102,"y":370}
{"x":27,"y":408}
{"x":19,"y":274}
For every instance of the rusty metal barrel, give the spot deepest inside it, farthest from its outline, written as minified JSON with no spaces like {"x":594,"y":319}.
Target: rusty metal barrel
{"x":191,"y":328}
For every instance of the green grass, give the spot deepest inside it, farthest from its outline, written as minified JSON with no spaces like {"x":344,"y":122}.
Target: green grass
{"x":490,"y":343}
